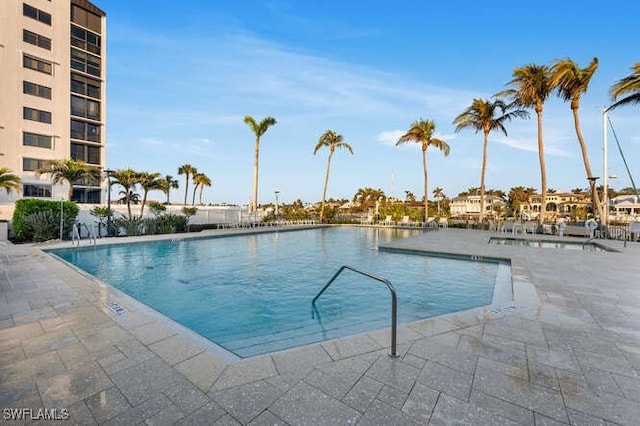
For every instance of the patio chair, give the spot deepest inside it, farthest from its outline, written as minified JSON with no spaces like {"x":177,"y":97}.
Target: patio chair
{"x":517,"y":227}
{"x":388,"y":221}
{"x":443,"y":222}
{"x":405,"y":221}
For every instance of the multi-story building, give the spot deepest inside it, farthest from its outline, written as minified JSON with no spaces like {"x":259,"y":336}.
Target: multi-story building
{"x":559,"y":204}
{"x":52,"y":92}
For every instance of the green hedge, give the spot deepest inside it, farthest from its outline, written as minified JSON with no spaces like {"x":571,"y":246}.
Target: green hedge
{"x":27,"y":206}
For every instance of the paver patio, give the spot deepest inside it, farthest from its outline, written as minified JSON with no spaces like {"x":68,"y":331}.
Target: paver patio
{"x":566,"y":351}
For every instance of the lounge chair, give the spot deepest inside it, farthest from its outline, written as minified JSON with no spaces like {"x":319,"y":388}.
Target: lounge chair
{"x":388,"y":221}
{"x":443,"y":222}
{"x":517,"y":227}
{"x":405,"y":221}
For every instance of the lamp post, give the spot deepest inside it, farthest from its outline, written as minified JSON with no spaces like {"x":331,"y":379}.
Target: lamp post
{"x":605,"y":181}
{"x":276,"y":211}
{"x":109,"y":227}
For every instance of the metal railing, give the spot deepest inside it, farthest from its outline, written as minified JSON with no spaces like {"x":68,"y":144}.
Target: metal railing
{"x":394,"y":303}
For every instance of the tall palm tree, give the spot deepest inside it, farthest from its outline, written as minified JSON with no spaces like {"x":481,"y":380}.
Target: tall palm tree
{"x":331,"y":140}
{"x":438,"y":194}
{"x":70,"y":171}
{"x":167,"y":183}
{"x":421,"y":132}
{"x":148,"y":182}
{"x":258,"y":129}
{"x":9,"y":181}
{"x":186,"y":170}
{"x":127,"y":179}
{"x":484,"y":115}
{"x":200,"y":180}
{"x":629,"y":85}
{"x":571,"y":82}
{"x":531,"y":86}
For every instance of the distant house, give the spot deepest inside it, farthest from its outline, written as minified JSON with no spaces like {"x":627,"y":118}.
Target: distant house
{"x":624,"y":208}
{"x":558,"y":204}
{"x":469,"y":205}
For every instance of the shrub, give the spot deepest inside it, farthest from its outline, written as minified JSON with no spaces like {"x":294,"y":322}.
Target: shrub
{"x":28,"y":206}
{"x":132,"y":226}
{"x":171,"y":223}
{"x":45,"y":225}
{"x":157,"y":208}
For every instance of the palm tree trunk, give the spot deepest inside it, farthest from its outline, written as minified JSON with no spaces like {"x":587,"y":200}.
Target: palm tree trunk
{"x":70,"y":192}
{"x":482,"y":174}
{"x":200,"y":196}
{"x":543,"y":167}
{"x":254,"y":201}
{"x":186,"y":188}
{"x":127,"y":198}
{"x":193,"y":197}
{"x":144,"y":201}
{"x":168,"y":190}
{"x":424,"y":169}
{"x":585,"y":158}
{"x":326,"y":183}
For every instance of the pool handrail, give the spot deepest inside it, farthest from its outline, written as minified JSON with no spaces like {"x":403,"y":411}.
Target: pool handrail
{"x":394,"y":303}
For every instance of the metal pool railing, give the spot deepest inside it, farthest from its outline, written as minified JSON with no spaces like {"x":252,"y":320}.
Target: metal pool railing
{"x":394,"y":303}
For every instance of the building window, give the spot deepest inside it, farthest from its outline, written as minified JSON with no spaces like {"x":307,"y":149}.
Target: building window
{"x":36,"y":14}
{"x":85,"y":40}
{"x":85,"y":86}
{"x":87,"y":153}
{"x":32,"y":139}
{"x":40,"y":191}
{"x":85,"y":108}
{"x":36,"y":39}
{"x":36,"y":90}
{"x":81,"y":195}
{"x":36,"y":115}
{"x":85,"y":62}
{"x":85,"y":131}
{"x":32,"y":164}
{"x":85,"y":18}
{"x":37,"y":64}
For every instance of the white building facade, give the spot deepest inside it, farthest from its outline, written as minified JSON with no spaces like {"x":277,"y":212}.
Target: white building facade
{"x":53,"y":86}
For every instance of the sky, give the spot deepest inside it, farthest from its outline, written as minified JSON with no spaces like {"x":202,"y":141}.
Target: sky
{"x":181,"y":76}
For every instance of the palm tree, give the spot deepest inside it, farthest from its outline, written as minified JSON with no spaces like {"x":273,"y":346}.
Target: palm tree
{"x":187,"y":170}
{"x":148,"y":182}
{"x":531,"y":86}
{"x":485,"y":116}
{"x":367,"y":197}
{"x":571,"y":83}
{"x":9,"y":181}
{"x":258,"y":129}
{"x":71,"y":171}
{"x":629,"y":85}
{"x":421,"y":132}
{"x":438,"y":194}
{"x":200,"y":180}
{"x":168,"y":183}
{"x":127,"y":179}
{"x":331,"y":140}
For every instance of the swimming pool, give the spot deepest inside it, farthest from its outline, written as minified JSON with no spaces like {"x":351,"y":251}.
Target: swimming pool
{"x":251,"y":294}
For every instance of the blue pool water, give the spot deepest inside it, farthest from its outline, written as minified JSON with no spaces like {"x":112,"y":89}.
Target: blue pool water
{"x":251,"y":294}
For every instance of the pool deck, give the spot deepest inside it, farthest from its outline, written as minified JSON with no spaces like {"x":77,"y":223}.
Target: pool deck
{"x":565,"y":351}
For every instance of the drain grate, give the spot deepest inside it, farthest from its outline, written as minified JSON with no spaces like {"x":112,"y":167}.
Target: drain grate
{"x":503,"y":309}
{"x":116,"y":308}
